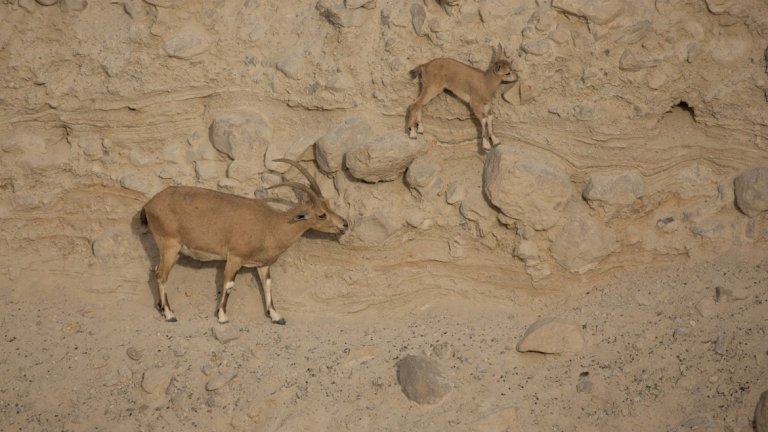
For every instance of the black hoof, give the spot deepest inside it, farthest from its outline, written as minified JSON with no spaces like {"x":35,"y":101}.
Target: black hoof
{"x":281,"y":321}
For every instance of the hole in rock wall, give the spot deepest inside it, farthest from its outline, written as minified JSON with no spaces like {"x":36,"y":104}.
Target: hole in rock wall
{"x":684,"y":107}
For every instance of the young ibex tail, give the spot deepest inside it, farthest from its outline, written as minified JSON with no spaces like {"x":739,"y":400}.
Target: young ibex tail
{"x":469,"y":84}
{"x":209,"y":225}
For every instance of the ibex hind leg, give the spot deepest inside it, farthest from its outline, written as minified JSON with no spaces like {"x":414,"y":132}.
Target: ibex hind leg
{"x":169,"y":254}
{"x":414,"y":111}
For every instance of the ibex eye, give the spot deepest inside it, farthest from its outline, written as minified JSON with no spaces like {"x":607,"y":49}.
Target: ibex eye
{"x":323,"y":216}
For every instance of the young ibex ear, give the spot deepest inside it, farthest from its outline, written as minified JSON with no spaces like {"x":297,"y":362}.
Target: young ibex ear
{"x":499,"y":52}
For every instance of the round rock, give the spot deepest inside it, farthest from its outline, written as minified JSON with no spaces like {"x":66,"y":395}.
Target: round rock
{"x":421,"y":380}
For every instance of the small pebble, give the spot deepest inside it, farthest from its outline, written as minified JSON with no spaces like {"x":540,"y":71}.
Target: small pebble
{"x":721,"y":344}
{"x":443,"y":350}
{"x":134,"y":353}
{"x":706,"y":307}
{"x":724,"y":295}
{"x":220,"y":380}
{"x":680,"y":332}
{"x":584,"y":386}
{"x":156,"y":380}
{"x":225,"y":333}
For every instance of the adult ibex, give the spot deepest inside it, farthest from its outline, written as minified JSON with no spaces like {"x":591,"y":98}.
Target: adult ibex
{"x":209,"y":225}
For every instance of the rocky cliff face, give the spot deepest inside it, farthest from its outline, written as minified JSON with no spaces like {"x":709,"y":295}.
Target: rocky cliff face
{"x":637,"y":130}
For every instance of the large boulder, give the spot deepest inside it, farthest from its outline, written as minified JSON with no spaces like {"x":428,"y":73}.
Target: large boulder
{"x":423,"y":173}
{"x":383,"y":159}
{"x":331,"y":147}
{"x":527,"y":185}
{"x":241,"y":136}
{"x":584,"y":240}
{"x":751,"y":189}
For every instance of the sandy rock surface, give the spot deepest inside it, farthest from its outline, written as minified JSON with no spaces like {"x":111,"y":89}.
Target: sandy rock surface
{"x":628,"y":199}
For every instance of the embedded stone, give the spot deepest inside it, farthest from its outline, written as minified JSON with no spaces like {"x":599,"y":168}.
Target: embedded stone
{"x":552,"y":336}
{"x":751,"y":190}
{"x":616,"y":188}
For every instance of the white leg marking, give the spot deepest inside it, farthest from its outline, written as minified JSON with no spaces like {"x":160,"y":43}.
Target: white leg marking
{"x":163,"y":301}
{"x":221,"y":315}
{"x":494,"y":140}
{"x":484,"y":130}
{"x":273,"y":314}
{"x":412,"y":133}
{"x":486,"y":144}
{"x":223,"y":319}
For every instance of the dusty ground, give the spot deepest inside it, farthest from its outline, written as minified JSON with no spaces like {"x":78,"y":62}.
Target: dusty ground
{"x":102,"y":104}
{"x":79,"y":339}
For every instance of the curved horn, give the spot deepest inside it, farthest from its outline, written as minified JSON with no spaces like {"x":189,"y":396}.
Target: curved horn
{"x":312,"y":181}
{"x":301,"y":187}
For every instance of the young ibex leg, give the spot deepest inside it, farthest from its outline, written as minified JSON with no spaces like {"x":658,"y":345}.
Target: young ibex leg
{"x":266,"y":283}
{"x":169,"y":253}
{"x":494,"y":140}
{"x":480,"y":111}
{"x":414,"y":110}
{"x":414,"y":118}
{"x":230,"y":271}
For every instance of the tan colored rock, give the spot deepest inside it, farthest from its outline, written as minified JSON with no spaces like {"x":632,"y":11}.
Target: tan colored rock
{"x":751,"y":189}
{"x":190,"y":41}
{"x":241,"y":136}
{"x":584,"y":240}
{"x":156,"y":380}
{"x":552,"y":336}
{"x":421,"y":380}
{"x":331,"y":147}
{"x":527,"y":184}
{"x":383,"y":159}
{"x":614,"y":188}
{"x":422,"y":173}
{"x":220,"y":380}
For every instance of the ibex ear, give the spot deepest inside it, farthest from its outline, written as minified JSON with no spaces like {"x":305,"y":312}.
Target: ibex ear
{"x":499,"y":51}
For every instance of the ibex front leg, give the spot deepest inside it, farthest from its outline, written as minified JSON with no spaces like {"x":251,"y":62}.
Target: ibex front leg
{"x":266,"y":283}
{"x":481,"y":112}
